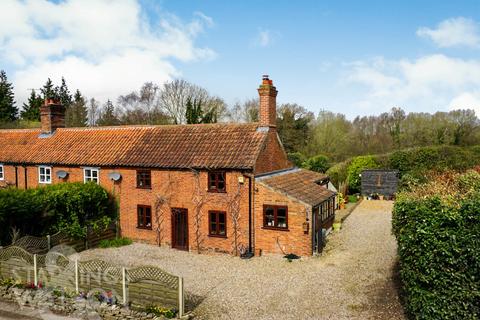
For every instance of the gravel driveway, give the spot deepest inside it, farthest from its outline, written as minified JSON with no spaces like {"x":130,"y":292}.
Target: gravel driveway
{"x":353,"y":279}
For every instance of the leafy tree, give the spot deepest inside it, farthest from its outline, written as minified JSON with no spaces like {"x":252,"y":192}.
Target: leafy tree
{"x":293,"y":126}
{"x":194,"y":113}
{"x":31,"y":109}
{"x":108,"y":115}
{"x":297,"y":158}
{"x":77,"y":113}
{"x":465,"y":124}
{"x":330,"y":135}
{"x":8,"y":110}
{"x":319,"y":163}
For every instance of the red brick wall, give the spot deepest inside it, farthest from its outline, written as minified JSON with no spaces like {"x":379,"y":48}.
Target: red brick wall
{"x":183,"y":185}
{"x":273,"y":156}
{"x":272,"y":241}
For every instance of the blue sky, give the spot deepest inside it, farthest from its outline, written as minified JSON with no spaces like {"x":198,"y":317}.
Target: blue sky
{"x":353,"y":57}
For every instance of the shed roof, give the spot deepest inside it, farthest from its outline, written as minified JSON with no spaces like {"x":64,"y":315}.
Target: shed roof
{"x":300,"y":184}
{"x":228,"y":146}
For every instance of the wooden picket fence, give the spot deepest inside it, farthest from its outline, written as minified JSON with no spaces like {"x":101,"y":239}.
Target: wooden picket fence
{"x":141,"y":286}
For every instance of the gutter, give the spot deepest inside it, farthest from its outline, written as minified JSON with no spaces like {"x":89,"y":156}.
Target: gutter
{"x":16,"y":177}
{"x":26,"y":178}
{"x":250,"y":214}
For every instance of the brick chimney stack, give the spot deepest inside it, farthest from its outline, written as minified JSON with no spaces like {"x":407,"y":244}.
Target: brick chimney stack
{"x":52,"y":116}
{"x":268,"y":103}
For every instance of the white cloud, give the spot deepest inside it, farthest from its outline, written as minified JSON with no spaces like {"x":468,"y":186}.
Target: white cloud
{"x":265,"y":38}
{"x":426,"y":84}
{"x":453,"y":32}
{"x":104,"y":48}
{"x":470,"y":100}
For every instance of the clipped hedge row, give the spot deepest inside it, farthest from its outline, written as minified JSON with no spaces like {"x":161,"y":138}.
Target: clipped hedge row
{"x":69,"y":207}
{"x":439,"y":251}
{"x":412,"y":163}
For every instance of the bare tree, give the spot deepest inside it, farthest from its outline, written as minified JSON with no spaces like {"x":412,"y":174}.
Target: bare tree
{"x":199,"y":198}
{"x":93,"y":112}
{"x":162,"y":208}
{"x":142,"y":107}
{"x":233,"y":202}
{"x":175,"y":94}
{"x":246,"y":111}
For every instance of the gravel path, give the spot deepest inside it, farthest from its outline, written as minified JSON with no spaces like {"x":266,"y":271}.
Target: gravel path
{"x":353,"y":279}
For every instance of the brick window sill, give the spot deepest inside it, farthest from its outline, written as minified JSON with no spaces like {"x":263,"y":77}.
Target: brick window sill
{"x":275,"y":228}
{"x":217,"y":191}
{"x":217,"y":236}
{"x":144,"y":228}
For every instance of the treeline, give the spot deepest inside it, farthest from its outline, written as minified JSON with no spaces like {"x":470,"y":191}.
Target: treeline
{"x":335,"y":136}
{"x":312,"y":141}
{"x":175,"y":102}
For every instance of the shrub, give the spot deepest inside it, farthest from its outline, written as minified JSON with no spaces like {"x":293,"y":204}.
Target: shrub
{"x":297,"y":158}
{"x":160,"y":311}
{"x":437,"y":227}
{"x":338,"y":172}
{"x":319,"y":163}
{"x":70,"y":207}
{"x":115,"y":243}
{"x":356,"y":167}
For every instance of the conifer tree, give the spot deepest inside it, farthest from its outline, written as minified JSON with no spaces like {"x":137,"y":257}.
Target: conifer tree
{"x":77,"y":113}
{"x":8,"y":110}
{"x":108,"y":116}
{"x":31,"y":109}
{"x":49,"y":91}
{"x":64,"y":94}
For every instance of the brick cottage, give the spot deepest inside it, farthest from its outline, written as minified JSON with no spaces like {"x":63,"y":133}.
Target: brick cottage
{"x":221,"y":187}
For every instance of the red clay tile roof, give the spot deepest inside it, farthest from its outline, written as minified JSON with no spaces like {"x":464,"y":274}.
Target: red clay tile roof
{"x":227,"y":146}
{"x":300,"y":184}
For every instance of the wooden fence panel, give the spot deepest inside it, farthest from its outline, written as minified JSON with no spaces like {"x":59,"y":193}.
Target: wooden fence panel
{"x":18,"y":269}
{"x":141,"y":286}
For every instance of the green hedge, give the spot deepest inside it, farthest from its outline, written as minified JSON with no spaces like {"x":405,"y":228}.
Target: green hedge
{"x":69,"y":207}
{"x":438,"y":240}
{"x":319,"y":163}
{"x":412,"y":163}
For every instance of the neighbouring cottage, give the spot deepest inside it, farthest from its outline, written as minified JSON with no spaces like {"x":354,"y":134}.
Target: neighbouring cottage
{"x":222,"y":187}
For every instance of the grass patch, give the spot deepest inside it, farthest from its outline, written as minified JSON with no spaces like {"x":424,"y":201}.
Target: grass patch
{"x":115,"y":243}
{"x":352,"y":199}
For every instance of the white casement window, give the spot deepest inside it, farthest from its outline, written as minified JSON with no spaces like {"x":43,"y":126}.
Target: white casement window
{"x":90,"y":174}
{"x":2,"y":174}
{"x":44,"y":174}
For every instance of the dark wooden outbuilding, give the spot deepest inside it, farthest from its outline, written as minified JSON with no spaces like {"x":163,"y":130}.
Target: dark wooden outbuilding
{"x":379,"y":181}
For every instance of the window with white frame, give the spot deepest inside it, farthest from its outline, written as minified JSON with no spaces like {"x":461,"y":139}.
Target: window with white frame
{"x":44,"y":174}
{"x":2,"y":175}
{"x":90,"y":174}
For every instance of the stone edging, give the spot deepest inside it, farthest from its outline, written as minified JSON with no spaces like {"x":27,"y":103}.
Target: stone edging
{"x":44,"y":299}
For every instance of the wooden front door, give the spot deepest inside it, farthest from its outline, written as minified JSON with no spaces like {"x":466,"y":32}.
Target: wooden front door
{"x":180,"y":228}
